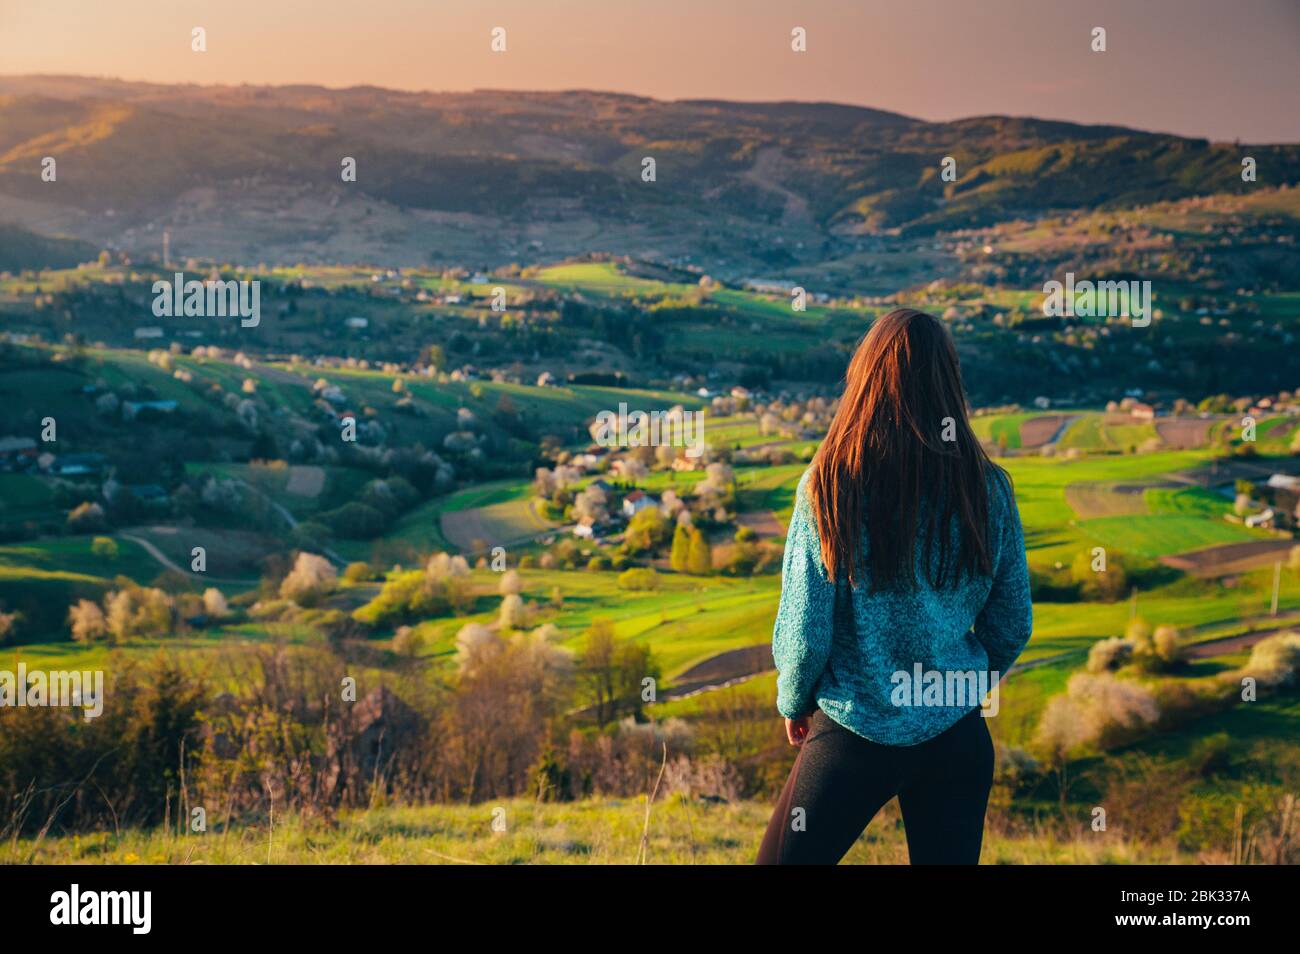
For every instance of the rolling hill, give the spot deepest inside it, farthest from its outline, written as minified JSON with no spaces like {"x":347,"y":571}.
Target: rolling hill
{"x":253,"y":173}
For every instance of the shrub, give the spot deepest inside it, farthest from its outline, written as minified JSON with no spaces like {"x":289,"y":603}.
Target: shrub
{"x":86,"y":517}
{"x":358,"y":572}
{"x":510,"y":583}
{"x":442,"y":586}
{"x":1138,"y":632}
{"x":104,"y":547}
{"x":407,"y":641}
{"x":355,"y":521}
{"x":1095,"y":710}
{"x":1107,"y":655}
{"x":639,"y":579}
{"x":1274,"y":661}
{"x":1104,"y":586}
{"x":1166,"y":642}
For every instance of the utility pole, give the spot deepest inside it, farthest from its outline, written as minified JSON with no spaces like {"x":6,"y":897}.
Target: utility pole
{"x":167,"y":248}
{"x":1277,"y":582}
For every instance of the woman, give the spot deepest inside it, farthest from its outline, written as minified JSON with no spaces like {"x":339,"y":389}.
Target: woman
{"x":904,"y":597}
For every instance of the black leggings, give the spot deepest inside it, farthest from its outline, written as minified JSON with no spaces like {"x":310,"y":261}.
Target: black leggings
{"x":840,"y":780}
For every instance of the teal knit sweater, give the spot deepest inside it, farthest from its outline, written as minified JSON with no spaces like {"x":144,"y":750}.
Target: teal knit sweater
{"x":859,"y":662}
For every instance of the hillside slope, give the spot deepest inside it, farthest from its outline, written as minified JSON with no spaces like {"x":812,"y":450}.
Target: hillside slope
{"x":244,"y":173}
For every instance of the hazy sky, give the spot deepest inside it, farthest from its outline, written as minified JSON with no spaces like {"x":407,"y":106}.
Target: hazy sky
{"x":1223,"y":69}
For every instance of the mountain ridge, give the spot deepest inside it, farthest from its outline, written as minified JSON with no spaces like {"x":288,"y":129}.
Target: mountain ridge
{"x":536,"y":175}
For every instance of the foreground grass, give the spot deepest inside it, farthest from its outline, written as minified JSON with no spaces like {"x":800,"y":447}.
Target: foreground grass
{"x":596,"y":831}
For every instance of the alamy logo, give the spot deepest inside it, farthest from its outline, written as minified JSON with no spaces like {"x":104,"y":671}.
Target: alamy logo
{"x":947,"y":689}
{"x":672,"y":428}
{"x":58,"y":689}
{"x":213,"y":298}
{"x":103,"y":907}
{"x":1107,"y":299}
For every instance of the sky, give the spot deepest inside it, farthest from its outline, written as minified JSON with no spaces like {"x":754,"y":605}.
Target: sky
{"x":1219,"y":69}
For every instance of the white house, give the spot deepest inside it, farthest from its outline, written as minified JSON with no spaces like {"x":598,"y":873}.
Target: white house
{"x":1262,"y":519}
{"x":637,"y":501}
{"x":358,"y":322}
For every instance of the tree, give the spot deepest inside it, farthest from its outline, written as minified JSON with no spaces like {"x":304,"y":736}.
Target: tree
{"x":612,"y":671}
{"x":514,"y":614}
{"x":648,"y":530}
{"x":1166,"y":643}
{"x":86,"y":517}
{"x":86,"y":620}
{"x":700,"y":561}
{"x":510,"y":583}
{"x":312,"y":578}
{"x":1105,"y":585}
{"x":214,"y":603}
{"x":137,"y":611}
{"x":433,"y":356}
{"x":681,"y":549}
{"x":9,"y":626}
{"x":104,"y":547}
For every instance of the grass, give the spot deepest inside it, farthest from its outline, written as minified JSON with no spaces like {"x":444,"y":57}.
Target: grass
{"x":1091,"y":432}
{"x":593,"y":831}
{"x":1000,"y":428}
{"x":1156,"y":535}
{"x":72,"y":558}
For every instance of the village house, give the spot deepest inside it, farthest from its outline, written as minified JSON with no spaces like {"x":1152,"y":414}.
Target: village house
{"x":1142,"y":411}
{"x":1263,"y":519}
{"x":637,"y":501}
{"x":17,"y":452}
{"x":130,"y":409}
{"x":149,"y":494}
{"x":77,"y":465}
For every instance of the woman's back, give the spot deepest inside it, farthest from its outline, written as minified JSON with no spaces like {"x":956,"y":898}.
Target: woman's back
{"x":899,"y":664}
{"x":904,"y":599}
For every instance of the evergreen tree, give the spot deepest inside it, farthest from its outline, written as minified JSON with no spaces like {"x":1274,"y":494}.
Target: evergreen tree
{"x":681,"y":554}
{"x":700,"y":560}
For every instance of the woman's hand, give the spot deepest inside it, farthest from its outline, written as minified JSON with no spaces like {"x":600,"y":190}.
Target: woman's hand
{"x":796,"y":730}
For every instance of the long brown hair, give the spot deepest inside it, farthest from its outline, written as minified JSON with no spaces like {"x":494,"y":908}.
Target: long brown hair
{"x":901,"y":451}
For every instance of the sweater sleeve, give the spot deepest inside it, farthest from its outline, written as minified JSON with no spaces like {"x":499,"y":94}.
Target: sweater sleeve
{"x":1005,"y":623}
{"x":801,"y":639}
